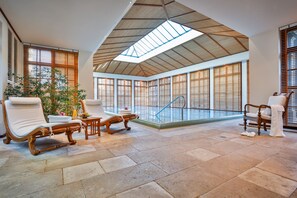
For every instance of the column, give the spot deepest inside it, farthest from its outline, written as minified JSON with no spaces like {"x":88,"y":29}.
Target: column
{"x":188,"y":90}
{"x":211,"y":88}
{"x":244,"y":85}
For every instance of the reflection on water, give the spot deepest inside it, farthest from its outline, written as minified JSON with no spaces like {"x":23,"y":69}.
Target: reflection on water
{"x":174,"y":114}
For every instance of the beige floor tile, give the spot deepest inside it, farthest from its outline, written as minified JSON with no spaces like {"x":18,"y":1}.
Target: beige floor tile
{"x":73,"y":190}
{"x":121,"y":180}
{"x":172,"y":164}
{"x":202,"y":154}
{"x":229,"y":166}
{"x":79,"y":149}
{"x":122,"y":150}
{"x":191,"y":182}
{"x":243,"y":140}
{"x":226,"y":147}
{"x":158,"y":153}
{"x":150,"y":190}
{"x":240,"y":188}
{"x":17,"y":186}
{"x":21,"y":169}
{"x":3,"y":161}
{"x":280,"y":166}
{"x":62,"y":162}
{"x":258,"y":152}
{"x":80,"y":172}
{"x":116,"y":163}
{"x":270,"y":181}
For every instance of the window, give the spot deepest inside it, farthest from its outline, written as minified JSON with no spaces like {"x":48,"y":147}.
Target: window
{"x":40,"y":62}
{"x":9,"y":63}
{"x":106,"y":92}
{"x":289,"y":71}
{"x":15,"y":57}
{"x":124,"y":93}
{"x":227,"y":87}
{"x":164,"y":91}
{"x":140,"y":93}
{"x":152,"y":93}
{"x":166,"y":36}
{"x":179,"y":88}
{"x":200,"y":89}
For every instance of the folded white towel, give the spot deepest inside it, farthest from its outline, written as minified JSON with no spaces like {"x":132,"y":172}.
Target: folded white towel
{"x":277,"y":121}
{"x":59,"y":119}
{"x":124,"y":111}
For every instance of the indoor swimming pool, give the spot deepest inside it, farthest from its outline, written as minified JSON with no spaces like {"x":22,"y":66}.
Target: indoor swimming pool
{"x":173,"y":117}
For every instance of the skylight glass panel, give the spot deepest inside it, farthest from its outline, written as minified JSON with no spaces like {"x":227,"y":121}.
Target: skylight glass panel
{"x":169,"y":29}
{"x":177,"y":27}
{"x":166,"y":36}
{"x":165,"y":33}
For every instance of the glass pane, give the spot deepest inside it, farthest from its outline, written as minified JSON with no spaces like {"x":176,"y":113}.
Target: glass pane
{"x":46,"y":56}
{"x":33,"y":55}
{"x":292,"y":61}
{"x":70,"y":59}
{"x":60,"y":58}
{"x":33,"y":71}
{"x":165,"y":33}
{"x":292,"y":38}
{"x":171,"y":31}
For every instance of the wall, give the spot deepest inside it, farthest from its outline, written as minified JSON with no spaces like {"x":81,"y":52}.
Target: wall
{"x":85,"y":72}
{"x":4,"y":60}
{"x":264,"y":66}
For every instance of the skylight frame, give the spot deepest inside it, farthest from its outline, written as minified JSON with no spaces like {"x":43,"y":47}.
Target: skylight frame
{"x":149,"y":46}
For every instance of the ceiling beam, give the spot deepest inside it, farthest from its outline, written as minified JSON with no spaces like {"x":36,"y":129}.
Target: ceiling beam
{"x":173,"y":59}
{"x":125,"y":68}
{"x":218,"y":44}
{"x":240,"y":43}
{"x":144,"y":19}
{"x":145,"y":4}
{"x":166,"y":62}
{"x":116,"y":67}
{"x":111,"y":37}
{"x":107,"y":66}
{"x":118,"y":42}
{"x":192,"y":52}
{"x":176,"y":16}
{"x":158,"y":65}
{"x":204,"y":48}
{"x":120,"y":29}
{"x":132,"y":69}
{"x":151,"y":66}
{"x":165,"y":10}
{"x":195,"y":21}
{"x":182,"y":56}
{"x":112,"y":48}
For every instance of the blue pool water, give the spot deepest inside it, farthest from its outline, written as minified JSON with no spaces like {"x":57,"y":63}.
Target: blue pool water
{"x":173,"y":115}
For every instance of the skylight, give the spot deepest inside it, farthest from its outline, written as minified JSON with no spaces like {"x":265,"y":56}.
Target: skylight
{"x":166,"y":36}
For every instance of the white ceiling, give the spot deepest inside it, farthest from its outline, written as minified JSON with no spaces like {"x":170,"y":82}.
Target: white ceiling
{"x":73,"y":24}
{"x":249,"y":17}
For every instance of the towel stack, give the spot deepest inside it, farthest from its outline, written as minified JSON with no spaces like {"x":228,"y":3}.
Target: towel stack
{"x":124,"y":112}
{"x":59,"y":119}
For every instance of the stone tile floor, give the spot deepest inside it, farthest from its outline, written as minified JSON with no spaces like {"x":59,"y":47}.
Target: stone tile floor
{"x":206,"y":160}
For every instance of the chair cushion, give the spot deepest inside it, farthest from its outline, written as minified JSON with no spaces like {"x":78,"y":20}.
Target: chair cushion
{"x":24,"y":100}
{"x":255,"y":115}
{"x":93,"y":102}
{"x":275,"y":100}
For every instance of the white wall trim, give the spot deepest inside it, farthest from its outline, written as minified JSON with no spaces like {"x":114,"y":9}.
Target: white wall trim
{"x":205,"y":65}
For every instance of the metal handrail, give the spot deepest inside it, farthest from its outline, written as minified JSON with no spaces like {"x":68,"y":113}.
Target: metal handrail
{"x":182,"y":108}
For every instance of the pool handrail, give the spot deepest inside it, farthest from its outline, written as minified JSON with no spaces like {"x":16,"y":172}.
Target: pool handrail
{"x":182,"y":108}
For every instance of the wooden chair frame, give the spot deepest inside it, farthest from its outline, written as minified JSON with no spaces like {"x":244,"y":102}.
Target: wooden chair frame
{"x":114,"y":119}
{"x":259,"y":119}
{"x":40,"y":132}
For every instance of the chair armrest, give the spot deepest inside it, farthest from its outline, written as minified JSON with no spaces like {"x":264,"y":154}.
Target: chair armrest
{"x":249,"y":105}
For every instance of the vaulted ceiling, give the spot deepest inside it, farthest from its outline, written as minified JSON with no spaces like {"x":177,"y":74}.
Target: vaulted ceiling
{"x":144,"y":16}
